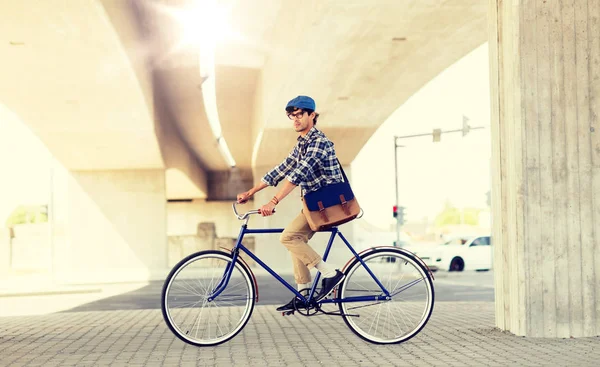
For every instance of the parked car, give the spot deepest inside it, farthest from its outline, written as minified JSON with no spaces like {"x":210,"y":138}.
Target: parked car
{"x":457,"y":254}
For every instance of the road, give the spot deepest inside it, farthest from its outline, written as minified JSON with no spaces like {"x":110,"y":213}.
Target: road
{"x":449,"y":287}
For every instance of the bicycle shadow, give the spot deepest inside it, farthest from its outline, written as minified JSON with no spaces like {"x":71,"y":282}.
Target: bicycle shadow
{"x":270,"y":292}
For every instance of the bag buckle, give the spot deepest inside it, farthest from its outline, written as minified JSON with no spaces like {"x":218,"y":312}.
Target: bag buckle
{"x":322,"y":212}
{"x":321,"y":207}
{"x":344,"y":205}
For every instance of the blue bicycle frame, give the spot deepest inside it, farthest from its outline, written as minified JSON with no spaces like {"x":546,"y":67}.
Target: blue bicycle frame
{"x":334,"y":231}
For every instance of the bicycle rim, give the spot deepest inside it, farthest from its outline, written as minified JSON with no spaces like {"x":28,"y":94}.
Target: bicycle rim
{"x":395,"y":320}
{"x":185,"y":304}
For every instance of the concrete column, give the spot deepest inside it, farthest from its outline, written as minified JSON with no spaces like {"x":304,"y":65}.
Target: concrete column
{"x":110,"y":226}
{"x":5,"y":251}
{"x":268,"y":247}
{"x":225,"y":185}
{"x":545,"y":83}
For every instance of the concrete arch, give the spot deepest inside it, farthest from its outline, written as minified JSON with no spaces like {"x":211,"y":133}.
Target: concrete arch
{"x":67,"y":74}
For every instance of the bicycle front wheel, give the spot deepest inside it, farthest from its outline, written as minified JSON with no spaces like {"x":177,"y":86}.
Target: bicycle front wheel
{"x":388,"y":321}
{"x":185,"y":305}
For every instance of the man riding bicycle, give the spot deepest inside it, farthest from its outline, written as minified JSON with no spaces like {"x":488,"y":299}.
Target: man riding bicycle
{"x":312,"y":164}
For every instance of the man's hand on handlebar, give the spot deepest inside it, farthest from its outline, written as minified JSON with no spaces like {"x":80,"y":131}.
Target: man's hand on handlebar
{"x":243,"y":197}
{"x":267,"y":209}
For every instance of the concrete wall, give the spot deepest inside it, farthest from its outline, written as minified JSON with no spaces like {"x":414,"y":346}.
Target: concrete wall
{"x":109,"y":225}
{"x":5,"y":251}
{"x":30,"y":248}
{"x":183,"y":217}
{"x":545,"y":81}
{"x":201,"y":225}
{"x":225,"y":185}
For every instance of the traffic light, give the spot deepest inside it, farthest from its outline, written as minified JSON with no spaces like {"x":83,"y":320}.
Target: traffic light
{"x":465,"y":128}
{"x":399,"y":214}
{"x":437,"y":135}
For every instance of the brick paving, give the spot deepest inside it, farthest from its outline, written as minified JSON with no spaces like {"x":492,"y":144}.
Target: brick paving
{"x":458,"y":334}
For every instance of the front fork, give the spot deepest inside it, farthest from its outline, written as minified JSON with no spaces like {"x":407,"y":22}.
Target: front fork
{"x":225,"y":278}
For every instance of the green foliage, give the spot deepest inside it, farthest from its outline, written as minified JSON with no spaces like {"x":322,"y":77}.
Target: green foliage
{"x":27,"y":214}
{"x":471,"y":216}
{"x":448,"y":216}
{"x":453,"y":216}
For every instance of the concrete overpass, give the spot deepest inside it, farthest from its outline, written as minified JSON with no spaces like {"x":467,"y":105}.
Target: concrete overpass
{"x":114,"y":92}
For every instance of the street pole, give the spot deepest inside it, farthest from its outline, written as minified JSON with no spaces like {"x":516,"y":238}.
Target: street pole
{"x":397,"y":199}
{"x":466,"y":128}
{"x":50,"y":216}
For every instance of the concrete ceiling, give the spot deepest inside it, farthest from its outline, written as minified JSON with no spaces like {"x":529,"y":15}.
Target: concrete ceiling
{"x":93,"y":77}
{"x":77,"y":74}
{"x":177,"y":76}
{"x":66,"y":75}
{"x":360,"y":60}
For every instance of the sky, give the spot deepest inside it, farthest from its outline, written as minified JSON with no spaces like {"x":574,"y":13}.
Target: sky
{"x":456,"y":168}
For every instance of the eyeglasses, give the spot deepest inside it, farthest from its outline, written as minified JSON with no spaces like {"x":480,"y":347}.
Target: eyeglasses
{"x":296,"y":115}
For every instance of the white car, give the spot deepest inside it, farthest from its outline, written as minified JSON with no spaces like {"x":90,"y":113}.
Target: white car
{"x":457,"y":254}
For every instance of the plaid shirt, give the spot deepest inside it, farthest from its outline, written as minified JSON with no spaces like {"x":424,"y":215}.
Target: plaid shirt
{"x":312,"y":164}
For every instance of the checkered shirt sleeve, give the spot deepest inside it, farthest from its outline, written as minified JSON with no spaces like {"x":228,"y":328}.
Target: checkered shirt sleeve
{"x":278,"y":173}
{"x":310,"y":167}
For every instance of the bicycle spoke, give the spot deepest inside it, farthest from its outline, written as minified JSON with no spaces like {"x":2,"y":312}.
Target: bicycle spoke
{"x":189,"y":303}
{"x":378,"y":314}
{"x":403,"y":299}
{"x":372,"y":304}
{"x":394,"y":320}
{"x":407,"y":286}
{"x":208,"y":323}
{"x":399,"y":280}
{"x":403,"y":318}
{"x":391,"y":315}
{"x":198,"y":318}
{"x":185,"y":286}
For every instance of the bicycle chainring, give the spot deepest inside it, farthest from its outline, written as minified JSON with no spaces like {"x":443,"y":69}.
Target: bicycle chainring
{"x":312,"y":309}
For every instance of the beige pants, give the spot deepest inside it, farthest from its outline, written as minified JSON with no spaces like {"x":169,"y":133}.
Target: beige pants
{"x":295,"y":237}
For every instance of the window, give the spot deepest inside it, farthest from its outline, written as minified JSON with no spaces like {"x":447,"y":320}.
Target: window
{"x":481,"y":241}
{"x":457,"y":241}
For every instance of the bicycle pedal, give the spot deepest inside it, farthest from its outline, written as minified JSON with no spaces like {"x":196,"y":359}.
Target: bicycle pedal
{"x":287,"y":313}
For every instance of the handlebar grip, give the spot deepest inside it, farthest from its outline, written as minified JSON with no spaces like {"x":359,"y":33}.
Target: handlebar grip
{"x":274,"y":210}
{"x":245,"y":215}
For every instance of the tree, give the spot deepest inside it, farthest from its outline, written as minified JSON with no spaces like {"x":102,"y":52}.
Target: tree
{"x":27,"y":214}
{"x":453,"y":216}
{"x":449,"y":215}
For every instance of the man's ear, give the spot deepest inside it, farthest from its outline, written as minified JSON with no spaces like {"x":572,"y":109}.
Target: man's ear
{"x":312,"y":115}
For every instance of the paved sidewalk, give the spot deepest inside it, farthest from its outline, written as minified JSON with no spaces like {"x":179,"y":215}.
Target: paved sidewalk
{"x":458,"y":334}
{"x":470,"y":278}
{"x":38,"y":284}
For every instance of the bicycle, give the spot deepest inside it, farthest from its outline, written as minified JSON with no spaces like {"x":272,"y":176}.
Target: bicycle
{"x":208,"y":297}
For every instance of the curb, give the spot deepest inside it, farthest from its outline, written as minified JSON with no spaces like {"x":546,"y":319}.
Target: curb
{"x":50,"y":292}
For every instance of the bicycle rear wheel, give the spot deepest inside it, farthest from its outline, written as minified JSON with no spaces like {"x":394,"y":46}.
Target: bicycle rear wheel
{"x":185,"y":305}
{"x":389,"y":321}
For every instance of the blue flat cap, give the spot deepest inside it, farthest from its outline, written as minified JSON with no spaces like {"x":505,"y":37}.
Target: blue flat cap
{"x":303,"y":102}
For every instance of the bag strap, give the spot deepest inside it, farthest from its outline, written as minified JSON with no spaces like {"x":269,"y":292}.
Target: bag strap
{"x":336,"y":158}
{"x":343,"y":173}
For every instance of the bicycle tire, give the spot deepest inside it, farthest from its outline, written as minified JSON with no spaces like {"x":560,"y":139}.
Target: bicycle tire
{"x":347,"y":308}
{"x":243,"y":272}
